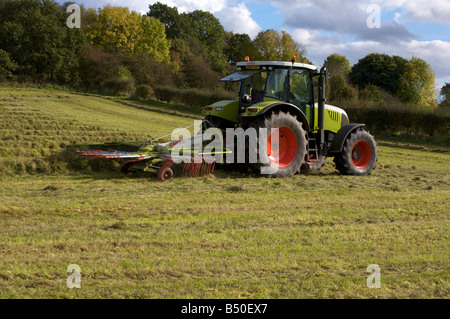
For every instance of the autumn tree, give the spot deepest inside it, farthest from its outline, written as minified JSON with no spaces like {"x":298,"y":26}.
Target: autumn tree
{"x":417,"y":84}
{"x":337,"y":65}
{"x":119,"y":31}
{"x":97,"y":66}
{"x":274,"y":46}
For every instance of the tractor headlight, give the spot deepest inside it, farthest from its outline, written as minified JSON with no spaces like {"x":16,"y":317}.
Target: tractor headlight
{"x":218,"y":109}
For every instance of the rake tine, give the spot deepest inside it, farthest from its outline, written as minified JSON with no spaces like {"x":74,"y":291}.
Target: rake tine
{"x":192,"y":170}
{"x":197,"y":169}
{"x":186,"y":168}
{"x":203,"y":170}
{"x":213,"y":164}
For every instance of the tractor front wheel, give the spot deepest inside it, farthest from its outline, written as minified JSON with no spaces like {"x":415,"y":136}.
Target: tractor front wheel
{"x":359,"y":154}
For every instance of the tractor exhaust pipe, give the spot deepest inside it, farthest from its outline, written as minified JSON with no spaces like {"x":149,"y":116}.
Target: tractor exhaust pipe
{"x":321,"y":108}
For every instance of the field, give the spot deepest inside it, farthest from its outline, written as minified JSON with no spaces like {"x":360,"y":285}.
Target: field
{"x":229,"y":235}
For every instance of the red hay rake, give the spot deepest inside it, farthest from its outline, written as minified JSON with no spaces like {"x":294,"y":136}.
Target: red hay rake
{"x":200,"y":166}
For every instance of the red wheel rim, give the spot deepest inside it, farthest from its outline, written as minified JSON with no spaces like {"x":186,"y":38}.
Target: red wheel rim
{"x":361,"y":154}
{"x":165,"y":174}
{"x":286,"y":146}
{"x":313,"y":158}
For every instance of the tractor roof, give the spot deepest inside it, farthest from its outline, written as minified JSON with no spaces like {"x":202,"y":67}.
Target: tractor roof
{"x":255,"y":64}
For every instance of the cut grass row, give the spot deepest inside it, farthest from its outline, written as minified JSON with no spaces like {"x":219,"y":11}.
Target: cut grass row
{"x":35,"y":124}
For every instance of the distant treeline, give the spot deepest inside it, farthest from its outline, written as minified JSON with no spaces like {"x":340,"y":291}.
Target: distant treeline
{"x":180,"y":57}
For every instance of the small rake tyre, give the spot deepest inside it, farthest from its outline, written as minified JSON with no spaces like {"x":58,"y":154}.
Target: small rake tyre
{"x":166,"y":172}
{"x":359,"y":154}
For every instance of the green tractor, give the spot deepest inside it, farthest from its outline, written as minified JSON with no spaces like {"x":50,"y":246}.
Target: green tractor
{"x":280,"y":95}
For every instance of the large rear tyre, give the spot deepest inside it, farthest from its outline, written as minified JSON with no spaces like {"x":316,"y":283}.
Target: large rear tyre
{"x":359,"y":155}
{"x":282,"y":159}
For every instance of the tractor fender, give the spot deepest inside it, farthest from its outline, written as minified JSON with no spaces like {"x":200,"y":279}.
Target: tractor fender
{"x":288,"y":107}
{"x":339,"y":139}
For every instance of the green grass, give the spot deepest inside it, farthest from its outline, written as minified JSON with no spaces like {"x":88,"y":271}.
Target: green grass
{"x":225,"y":236}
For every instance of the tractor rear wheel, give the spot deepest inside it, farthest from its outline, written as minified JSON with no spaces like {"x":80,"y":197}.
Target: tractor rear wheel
{"x":359,"y":155}
{"x":282,"y":159}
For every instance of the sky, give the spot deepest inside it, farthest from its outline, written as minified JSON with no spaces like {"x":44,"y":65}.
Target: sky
{"x":353,"y":28}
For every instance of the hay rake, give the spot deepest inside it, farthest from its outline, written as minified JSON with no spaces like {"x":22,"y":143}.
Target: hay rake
{"x":146,"y":156}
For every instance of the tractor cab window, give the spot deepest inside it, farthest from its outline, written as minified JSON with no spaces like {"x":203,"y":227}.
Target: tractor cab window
{"x":253,"y":88}
{"x":276,"y":84}
{"x":300,"y":89}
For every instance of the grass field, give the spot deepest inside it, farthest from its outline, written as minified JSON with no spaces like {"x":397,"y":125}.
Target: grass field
{"x":224,"y":236}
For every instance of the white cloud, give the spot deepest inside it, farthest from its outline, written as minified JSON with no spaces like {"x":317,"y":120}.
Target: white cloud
{"x":238,"y":19}
{"x":142,"y":6}
{"x":422,"y":10}
{"x":345,"y":17}
{"x":398,"y":17}
{"x":192,"y":5}
{"x":233,"y":16}
{"x":319,"y":47}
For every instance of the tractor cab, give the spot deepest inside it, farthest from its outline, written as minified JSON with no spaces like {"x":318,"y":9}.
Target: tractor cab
{"x":271,"y":81}
{"x":280,"y":95}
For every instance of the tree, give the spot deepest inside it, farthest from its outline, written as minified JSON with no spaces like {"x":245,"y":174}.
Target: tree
{"x":371,"y":95}
{"x":146,"y":70}
{"x":337,"y":65}
{"x":338,"y":90}
{"x":97,"y":67}
{"x":7,"y":66}
{"x":176,"y":25}
{"x":238,"y":46}
{"x":381,"y":70}
{"x":417,"y":84}
{"x":119,"y":31}
{"x":211,"y":34}
{"x":274,"y":46}
{"x":445,"y":93}
{"x":36,"y":37}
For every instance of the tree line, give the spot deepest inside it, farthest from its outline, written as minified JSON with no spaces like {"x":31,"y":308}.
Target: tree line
{"x":164,"y":52}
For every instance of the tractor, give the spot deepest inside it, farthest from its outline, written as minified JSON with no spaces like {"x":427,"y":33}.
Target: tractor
{"x":280,"y":95}
{"x":273,"y":97}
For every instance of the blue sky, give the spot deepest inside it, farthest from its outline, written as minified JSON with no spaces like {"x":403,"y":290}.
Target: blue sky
{"x":408,"y":28}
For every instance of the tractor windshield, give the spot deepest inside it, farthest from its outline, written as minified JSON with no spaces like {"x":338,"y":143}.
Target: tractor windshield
{"x":256,"y":84}
{"x":276,"y":84}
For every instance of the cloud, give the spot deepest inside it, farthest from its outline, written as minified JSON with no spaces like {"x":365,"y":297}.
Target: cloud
{"x":192,"y":5}
{"x":343,"y":17}
{"x":319,"y":47}
{"x":238,"y":19}
{"x":437,"y":11}
{"x":233,"y":16}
